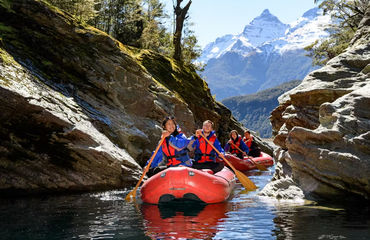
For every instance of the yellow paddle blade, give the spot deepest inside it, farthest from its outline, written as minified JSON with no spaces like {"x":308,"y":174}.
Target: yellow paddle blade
{"x":261,"y":167}
{"x":131,"y":196}
{"x":245,"y":181}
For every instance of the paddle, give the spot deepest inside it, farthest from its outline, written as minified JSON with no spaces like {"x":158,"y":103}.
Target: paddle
{"x":246,"y":182}
{"x":259,"y":166}
{"x":132,"y":195}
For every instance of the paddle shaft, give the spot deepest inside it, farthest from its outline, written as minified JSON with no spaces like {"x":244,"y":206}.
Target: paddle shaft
{"x":244,"y":180}
{"x":218,"y":152}
{"x":237,"y":147}
{"x":132,"y":194}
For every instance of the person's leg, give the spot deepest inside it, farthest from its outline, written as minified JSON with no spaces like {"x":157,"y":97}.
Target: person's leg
{"x":255,"y":153}
{"x":154,"y":171}
{"x":197,"y":165}
{"x":216,"y":166}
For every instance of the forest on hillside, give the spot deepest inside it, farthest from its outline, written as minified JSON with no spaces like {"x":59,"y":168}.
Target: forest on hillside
{"x":142,"y":24}
{"x":253,"y":110}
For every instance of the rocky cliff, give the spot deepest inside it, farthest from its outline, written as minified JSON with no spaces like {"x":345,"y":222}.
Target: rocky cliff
{"x":81,"y":111}
{"x":322,"y":128}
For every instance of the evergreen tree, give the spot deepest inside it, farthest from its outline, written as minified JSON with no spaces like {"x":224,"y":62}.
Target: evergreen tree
{"x":190,"y":48}
{"x":155,"y":36}
{"x":138,"y":23}
{"x":122,"y":19}
{"x":83,"y":10}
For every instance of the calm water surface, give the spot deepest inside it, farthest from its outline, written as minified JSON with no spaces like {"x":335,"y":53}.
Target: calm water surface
{"x":107,"y":216}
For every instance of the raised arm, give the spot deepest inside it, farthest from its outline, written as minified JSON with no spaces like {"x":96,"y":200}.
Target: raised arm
{"x":179,"y":142}
{"x":157,"y":159}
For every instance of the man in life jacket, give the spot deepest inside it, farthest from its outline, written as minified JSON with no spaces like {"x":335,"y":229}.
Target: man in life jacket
{"x":204,"y":154}
{"x":254,"y":150}
{"x":234,"y":143}
{"x":173,"y":151}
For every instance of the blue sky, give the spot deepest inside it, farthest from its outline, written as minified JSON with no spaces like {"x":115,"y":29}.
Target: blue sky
{"x":215,"y":18}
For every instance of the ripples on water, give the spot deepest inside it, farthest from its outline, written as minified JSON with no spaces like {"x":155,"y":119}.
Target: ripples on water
{"x":247,"y":216}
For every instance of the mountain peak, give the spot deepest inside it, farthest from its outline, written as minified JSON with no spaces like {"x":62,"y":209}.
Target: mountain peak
{"x":266,"y":12}
{"x":265,"y":16}
{"x":264,"y":28}
{"x":266,"y":33}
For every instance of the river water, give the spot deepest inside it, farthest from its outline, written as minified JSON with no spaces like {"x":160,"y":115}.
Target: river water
{"x":106,"y":215}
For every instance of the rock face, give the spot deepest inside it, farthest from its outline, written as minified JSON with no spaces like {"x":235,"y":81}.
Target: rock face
{"x":80,"y":111}
{"x":322,"y":126}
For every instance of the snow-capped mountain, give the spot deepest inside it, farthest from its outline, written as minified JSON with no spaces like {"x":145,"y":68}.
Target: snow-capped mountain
{"x":265,"y":54}
{"x":264,"y":28}
{"x":306,"y":30}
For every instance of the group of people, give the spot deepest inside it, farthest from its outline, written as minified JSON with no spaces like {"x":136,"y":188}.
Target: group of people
{"x":175,"y":148}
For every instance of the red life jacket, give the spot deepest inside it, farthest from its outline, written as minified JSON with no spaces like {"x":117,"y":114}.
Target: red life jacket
{"x":206,"y":149}
{"x":170,"y":153}
{"x":233,"y":149}
{"x":248,"y":142}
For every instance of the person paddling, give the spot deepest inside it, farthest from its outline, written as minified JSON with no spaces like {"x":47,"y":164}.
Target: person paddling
{"x":173,"y":151}
{"x":254,"y":150}
{"x":204,"y":154}
{"x":234,"y":143}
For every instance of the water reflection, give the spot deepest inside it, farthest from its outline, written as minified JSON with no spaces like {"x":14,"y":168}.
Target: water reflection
{"x":321,"y":222}
{"x":84,"y":216}
{"x":108,"y":216}
{"x":183,"y":220}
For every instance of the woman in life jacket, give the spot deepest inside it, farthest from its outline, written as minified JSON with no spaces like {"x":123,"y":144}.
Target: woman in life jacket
{"x":254,"y":150}
{"x":204,"y":154}
{"x":234,"y":143}
{"x":173,"y":151}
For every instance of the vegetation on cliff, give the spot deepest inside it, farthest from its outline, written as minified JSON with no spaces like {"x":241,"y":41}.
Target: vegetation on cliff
{"x":138,"y":23}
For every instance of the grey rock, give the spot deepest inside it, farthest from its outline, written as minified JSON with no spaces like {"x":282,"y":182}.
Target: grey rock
{"x":322,"y":126}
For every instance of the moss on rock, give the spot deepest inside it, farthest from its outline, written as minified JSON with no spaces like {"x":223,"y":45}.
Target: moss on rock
{"x":181,"y":79}
{"x":5,"y":57}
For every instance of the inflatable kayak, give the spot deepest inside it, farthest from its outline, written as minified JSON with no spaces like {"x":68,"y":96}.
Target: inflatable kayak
{"x":188,"y":184}
{"x":246,"y":164}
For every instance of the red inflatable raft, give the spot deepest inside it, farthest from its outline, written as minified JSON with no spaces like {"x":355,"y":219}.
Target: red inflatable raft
{"x":188,"y":184}
{"x":246,"y":164}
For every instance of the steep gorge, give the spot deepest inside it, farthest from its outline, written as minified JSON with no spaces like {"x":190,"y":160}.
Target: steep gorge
{"x":80,"y":111}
